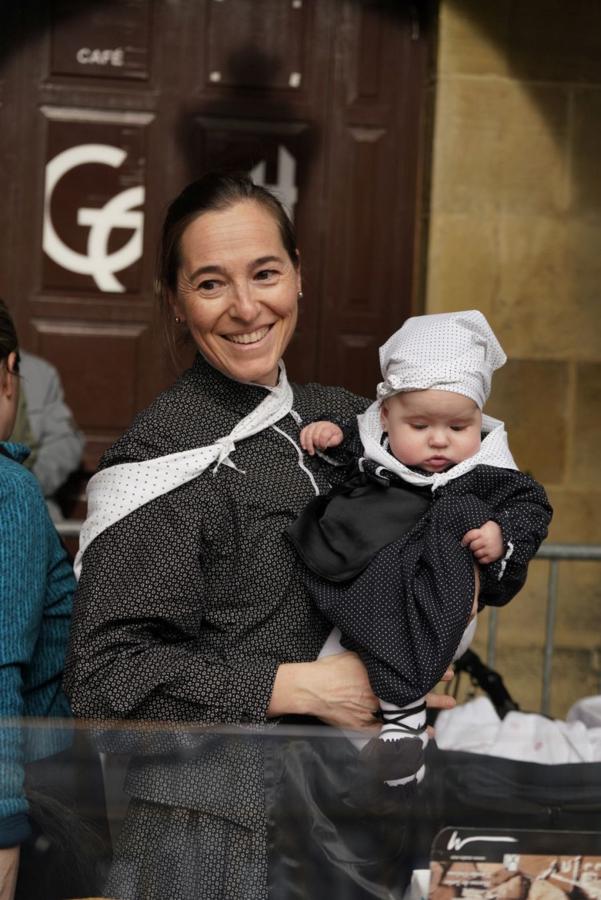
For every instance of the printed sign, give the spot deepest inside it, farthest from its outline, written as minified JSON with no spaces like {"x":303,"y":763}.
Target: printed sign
{"x":515,"y":865}
{"x":93,"y":215}
{"x":110,"y":41}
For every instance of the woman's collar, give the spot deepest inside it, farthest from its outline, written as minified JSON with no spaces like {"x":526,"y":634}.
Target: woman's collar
{"x":18,"y":452}
{"x":239,"y":395}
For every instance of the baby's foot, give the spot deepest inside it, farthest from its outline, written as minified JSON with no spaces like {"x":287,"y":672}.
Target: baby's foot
{"x":394,"y":761}
{"x":403,"y":726}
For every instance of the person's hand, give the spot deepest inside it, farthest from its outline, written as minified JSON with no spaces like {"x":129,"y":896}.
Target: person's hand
{"x":486,"y":543}
{"x":335,"y":689}
{"x":9,"y":868}
{"x":441,"y":701}
{"x":320,"y":436}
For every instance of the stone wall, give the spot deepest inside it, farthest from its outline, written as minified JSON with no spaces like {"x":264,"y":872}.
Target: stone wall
{"x":515,"y":231}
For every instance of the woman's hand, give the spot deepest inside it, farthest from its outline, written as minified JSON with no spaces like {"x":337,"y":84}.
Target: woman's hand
{"x":335,"y":689}
{"x":9,"y":868}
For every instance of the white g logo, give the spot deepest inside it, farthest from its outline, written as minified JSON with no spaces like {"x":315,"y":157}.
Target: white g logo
{"x":117,"y":213}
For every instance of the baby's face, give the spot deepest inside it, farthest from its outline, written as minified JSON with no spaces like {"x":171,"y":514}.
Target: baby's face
{"x":432,"y":430}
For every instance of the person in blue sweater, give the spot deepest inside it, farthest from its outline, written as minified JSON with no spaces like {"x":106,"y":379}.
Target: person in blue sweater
{"x":36,"y":588}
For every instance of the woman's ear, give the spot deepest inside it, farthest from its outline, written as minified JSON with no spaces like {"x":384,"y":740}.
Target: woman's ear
{"x":8,"y":375}
{"x":12,"y":363}
{"x":174,"y":303}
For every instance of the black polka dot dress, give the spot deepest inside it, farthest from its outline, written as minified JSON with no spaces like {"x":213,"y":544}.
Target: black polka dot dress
{"x":185,"y":609}
{"x":406,"y":611}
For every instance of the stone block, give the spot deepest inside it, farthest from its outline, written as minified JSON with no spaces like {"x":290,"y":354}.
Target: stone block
{"x":586,"y":437}
{"x":466,"y":135}
{"x":462,"y":266}
{"x":493,"y":140}
{"x":533,"y":284}
{"x":530,"y":396}
{"x":550,"y":271}
{"x":472,"y":38}
{"x":521,"y":623}
{"x":576,"y":516}
{"x":586,"y":152}
{"x":584,"y":240}
{"x":541,"y":40}
{"x":578,"y":620}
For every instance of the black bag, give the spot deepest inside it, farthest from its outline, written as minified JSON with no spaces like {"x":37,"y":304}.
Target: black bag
{"x":472,"y":790}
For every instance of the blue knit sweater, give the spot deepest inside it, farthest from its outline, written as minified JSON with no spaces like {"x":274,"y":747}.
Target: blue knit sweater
{"x":36,"y":589}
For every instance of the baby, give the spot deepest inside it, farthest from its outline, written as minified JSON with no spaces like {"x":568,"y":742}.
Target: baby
{"x":391,"y":554}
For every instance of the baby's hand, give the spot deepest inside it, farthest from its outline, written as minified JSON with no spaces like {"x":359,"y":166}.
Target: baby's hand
{"x":320,"y":436}
{"x":486,"y":543}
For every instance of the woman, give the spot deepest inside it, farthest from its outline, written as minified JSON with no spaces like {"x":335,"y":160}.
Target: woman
{"x":36,"y":588}
{"x":190,"y":607}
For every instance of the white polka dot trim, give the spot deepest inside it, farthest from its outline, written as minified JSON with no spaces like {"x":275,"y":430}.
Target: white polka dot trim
{"x":494,"y":451}
{"x":116,"y":492}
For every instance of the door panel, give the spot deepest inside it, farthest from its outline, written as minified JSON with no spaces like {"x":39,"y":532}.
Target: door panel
{"x":109,"y":108}
{"x":109,"y":41}
{"x":235,"y":56}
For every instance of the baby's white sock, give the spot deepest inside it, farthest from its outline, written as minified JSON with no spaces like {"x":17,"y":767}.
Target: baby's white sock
{"x":405,"y":723}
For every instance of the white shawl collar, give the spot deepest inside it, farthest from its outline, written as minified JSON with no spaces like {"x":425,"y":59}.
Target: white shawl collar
{"x":494,"y":451}
{"x":115,"y":492}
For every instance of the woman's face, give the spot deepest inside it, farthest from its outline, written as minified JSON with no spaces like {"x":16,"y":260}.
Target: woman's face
{"x":9,"y":396}
{"x":237,"y":291}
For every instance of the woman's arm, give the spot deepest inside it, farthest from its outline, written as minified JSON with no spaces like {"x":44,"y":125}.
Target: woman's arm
{"x":335,"y":689}
{"x":23,"y":565}
{"x":9,"y":869}
{"x":141,"y":647}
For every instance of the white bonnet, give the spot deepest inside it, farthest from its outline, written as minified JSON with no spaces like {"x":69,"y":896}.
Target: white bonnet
{"x":455,"y":352}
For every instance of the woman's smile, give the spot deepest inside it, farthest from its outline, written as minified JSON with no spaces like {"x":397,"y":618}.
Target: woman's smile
{"x":249,"y":337}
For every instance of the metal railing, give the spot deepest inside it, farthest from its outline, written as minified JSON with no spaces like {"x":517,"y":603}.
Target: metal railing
{"x":554,"y":553}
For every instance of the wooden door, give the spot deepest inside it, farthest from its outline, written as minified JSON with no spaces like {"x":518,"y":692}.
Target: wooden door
{"x":108,"y":108}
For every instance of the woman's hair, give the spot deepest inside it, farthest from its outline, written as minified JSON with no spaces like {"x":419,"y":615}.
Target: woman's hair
{"x":9,"y":342}
{"x":214,"y":191}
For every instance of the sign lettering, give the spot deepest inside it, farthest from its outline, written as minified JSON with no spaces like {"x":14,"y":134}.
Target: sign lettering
{"x":119,"y":212}
{"x":285,"y":188}
{"x":456,"y":843}
{"x":109,"y":57}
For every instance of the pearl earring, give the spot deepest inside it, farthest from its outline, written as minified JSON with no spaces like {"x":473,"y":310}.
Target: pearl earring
{"x":300,"y":296}
{"x":178,"y":321}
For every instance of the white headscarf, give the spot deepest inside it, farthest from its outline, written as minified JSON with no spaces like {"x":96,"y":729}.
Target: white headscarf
{"x":455,"y":352}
